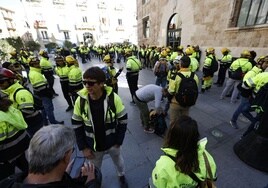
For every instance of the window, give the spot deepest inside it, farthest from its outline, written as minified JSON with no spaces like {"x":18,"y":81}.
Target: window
{"x":252,"y":12}
{"x":103,"y":21}
{"x":144,"y":1}
{"x":174,"y":31}
{"x":84,"y":19}
{"x":66,"y":35}
{"x":44,"y":34}
{"x":146,"y":27}
{"x":120,"y":22}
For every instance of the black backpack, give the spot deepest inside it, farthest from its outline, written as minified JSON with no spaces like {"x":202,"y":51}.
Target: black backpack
{"x":159,"y":123}
{"x":188,"y":91}
{"x":260,"y":102}
{"x":214,"y":65}
{"x":236,"y":74}
{"x":38,"y":104}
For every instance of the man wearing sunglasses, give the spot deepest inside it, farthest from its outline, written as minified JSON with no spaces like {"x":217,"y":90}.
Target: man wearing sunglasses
{"x":100,"y":121}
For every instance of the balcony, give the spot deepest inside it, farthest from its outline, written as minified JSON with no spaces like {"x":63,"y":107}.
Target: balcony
{"x":118,"y":8}
{"x":63,"y":27}
{"x":10,"y":28}
{"x":120,"y":28}
{"x":85,"y":26}
{"x":102,"y":5}
{"x":58,"y":2}
{"x":104,"y":28}
{"x":33,"y":1}
{"x":7,"y":15}
{"x":40,"y":24}
{"x":81,"y":4}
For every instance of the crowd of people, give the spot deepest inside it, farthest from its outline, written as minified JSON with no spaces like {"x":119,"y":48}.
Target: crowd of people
{"x":99,"y":118}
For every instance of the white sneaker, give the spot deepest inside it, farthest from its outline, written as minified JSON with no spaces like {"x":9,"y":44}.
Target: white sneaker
{"x":150,"y":130}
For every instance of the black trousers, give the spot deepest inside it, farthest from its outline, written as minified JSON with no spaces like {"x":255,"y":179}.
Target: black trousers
{"x":50,"y":80}
{"x":222,"y":74}
{"x":132,"y":81}
{"x":8,"y":168}
{"x":65,"y":91}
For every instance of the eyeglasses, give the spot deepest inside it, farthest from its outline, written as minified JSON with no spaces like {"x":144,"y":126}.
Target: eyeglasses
{"x":89,"y":83}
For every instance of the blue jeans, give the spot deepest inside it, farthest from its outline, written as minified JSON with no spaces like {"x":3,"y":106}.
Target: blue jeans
{"x":161,"y":81}
{"x":48,"y":110}
{"x":244,"y":108}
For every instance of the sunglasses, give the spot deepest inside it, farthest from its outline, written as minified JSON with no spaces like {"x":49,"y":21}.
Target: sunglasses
{"x":89,"y":83}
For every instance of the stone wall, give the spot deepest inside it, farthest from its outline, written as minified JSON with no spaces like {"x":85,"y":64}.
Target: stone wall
{"x":205,"y":23}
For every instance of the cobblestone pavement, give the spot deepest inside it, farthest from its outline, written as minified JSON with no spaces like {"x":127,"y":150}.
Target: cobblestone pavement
{"x":141,"y":150}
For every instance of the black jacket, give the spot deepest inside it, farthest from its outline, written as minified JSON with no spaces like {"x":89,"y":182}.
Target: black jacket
{"x":16,"y":181}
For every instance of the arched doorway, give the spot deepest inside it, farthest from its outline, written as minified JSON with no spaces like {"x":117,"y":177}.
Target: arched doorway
{"x":174,"y":31}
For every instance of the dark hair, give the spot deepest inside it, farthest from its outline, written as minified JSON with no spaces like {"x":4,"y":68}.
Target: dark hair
{"x":6,"y":65}
{"x":253,"y":54}
{"x":183,"y":136}
{"x":185,"y":61}
{"x":95,"y":73}
{"x":5,"y":103}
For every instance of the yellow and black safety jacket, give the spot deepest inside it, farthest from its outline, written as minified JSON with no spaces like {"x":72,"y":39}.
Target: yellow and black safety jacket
{"x":194,"y":64}
{"x":75,"y":79}
{"x":14,"y":139}
{"x":208,"y":65}
{"x":63,"y":73}
{"x":257,"y":82}
{"x":46,"y":66}
{"x":226,"y":60}
{"x":242,"y":63}
{"x":23,"y":99}
{"x":115,"y":121}
{"x":174,"y":84}
{"x":166,"y":175}
{"x":25,"y":61}
{"x":133,"y":66}
{"x":39,"y":83}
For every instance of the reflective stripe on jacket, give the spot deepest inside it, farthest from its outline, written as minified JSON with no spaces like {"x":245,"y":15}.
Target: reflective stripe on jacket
{"x":165,"y":174}
{"x":115,"y":125}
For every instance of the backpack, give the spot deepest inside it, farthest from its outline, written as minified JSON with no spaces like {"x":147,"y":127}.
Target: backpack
{"x":237,"y":74}
{"x":161,"y":70}
{"x":106,"y":72}
{"x":260,"y":102}
{"x":159,"y":123}
{"x":188,"y":91}
{"x":38,"y":103}
{"x":214,"y":65}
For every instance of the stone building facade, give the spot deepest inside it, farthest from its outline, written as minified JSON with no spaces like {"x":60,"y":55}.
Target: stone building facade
{"x":207,"y":23}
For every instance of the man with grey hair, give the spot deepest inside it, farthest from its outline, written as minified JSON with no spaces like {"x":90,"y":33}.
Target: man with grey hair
{"x":49,"y":155}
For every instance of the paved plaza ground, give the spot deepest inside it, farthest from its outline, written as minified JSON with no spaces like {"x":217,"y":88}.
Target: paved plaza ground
{"x":141,"y":150}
